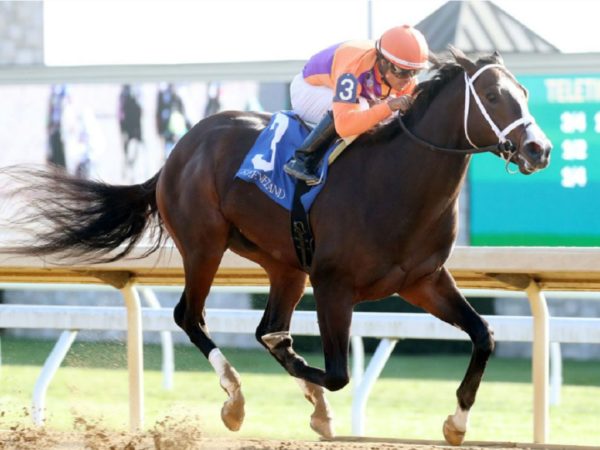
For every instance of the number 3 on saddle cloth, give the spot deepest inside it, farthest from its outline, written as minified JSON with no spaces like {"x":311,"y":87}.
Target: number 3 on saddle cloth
{"x":263,"y":166}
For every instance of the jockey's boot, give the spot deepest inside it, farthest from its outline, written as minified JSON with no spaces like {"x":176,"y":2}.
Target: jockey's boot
{"x":306,"y":159}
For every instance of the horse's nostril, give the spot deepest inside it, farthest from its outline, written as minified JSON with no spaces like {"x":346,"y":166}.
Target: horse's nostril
{"x":537,"y":151}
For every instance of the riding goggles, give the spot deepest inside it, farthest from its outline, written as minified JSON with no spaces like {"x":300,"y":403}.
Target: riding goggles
{"x":401,"y":73}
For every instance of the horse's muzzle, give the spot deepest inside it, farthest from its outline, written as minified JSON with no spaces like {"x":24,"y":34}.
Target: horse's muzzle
{"x":534,"y":151}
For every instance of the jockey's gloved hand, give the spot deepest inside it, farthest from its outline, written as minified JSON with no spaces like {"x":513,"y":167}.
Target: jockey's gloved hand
{"x":401,"y":103}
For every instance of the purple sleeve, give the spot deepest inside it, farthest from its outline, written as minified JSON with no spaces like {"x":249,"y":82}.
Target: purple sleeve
{"x":320,"y":63}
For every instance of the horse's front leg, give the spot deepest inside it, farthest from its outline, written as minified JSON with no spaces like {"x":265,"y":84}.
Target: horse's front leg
{"x":273,"y":333}
{"x":439,"y":295}
{"x":334,"y":300}
{"x":334,"y":311}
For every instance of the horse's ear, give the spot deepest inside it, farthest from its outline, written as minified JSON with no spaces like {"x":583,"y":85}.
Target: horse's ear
{"x":434,"y":60}
{"x":462,"y":59}
{"x":497,"y":57}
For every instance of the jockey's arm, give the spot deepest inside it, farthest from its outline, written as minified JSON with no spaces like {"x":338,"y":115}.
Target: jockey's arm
{"x":351,"y":120}
{"x":353,"y":114}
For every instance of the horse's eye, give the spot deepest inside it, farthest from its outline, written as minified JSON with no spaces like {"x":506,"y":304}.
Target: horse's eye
{"x":491,"y":97}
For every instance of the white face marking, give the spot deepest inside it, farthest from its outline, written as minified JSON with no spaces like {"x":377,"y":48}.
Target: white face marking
{"x":533,"y":133}
{"x":507,"y":84}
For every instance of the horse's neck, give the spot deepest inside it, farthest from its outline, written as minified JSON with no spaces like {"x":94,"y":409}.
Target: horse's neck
{"x":423,"y":180}
{"x":442,"y":126}
{"x":442,"y":121}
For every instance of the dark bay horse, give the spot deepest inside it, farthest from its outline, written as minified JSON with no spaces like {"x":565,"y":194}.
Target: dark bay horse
{"x":385,"y":223}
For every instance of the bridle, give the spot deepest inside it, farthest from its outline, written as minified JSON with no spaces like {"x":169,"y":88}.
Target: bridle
{"x":504,"y":148}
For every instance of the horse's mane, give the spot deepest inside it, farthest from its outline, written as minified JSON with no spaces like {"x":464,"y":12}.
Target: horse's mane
{"x":425,"y":93}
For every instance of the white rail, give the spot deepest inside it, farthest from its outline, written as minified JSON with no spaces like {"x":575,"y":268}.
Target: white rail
{"x":364,"y":324}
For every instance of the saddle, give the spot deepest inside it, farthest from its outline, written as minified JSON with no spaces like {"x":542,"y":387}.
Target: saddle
{"x":263,"y":166}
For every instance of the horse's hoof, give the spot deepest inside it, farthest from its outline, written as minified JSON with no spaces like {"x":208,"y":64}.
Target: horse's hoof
{"x":232,"y":413}
{"x":452,"y":434}
{"x":323,"y":427}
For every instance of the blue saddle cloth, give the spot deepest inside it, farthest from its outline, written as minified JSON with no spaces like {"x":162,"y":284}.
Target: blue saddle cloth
{"x":275,"y":146}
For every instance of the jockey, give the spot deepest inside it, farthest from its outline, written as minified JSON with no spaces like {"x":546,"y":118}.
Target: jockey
{"x":350,"y":87}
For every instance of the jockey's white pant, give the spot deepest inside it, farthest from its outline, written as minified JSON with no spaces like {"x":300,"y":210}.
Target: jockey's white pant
{"x":312,"y":102}
{"x":308,"y":101}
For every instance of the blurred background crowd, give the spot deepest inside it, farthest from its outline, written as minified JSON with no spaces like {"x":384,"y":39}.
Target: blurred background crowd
{"x":87,"y":123}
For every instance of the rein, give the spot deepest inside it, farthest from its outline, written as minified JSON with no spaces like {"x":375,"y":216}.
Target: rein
{"x":497,"y":148}
{"x":504,"y":148}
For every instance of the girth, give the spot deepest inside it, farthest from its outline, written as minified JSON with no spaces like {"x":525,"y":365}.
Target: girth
{"x":302,"y":235}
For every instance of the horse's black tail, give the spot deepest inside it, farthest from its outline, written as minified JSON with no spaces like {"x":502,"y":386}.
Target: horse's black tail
{"x":88,"y":220}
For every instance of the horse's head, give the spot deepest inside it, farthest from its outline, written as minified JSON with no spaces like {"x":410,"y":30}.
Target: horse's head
{"x":496,"y":110}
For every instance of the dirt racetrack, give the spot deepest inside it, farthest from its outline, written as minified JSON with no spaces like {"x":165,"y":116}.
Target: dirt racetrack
{"x":165,"y":437}
{"x":171,"y":434}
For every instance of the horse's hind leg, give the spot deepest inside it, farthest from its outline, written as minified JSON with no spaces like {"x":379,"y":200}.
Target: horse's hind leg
{"x":200,"y":268}
{"x":440,"y":296}
{"x":287,"y":287}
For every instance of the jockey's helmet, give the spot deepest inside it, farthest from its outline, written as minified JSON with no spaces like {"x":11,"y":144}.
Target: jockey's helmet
{"x":405,"y":47}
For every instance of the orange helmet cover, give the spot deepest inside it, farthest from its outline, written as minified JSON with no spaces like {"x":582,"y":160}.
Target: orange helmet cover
{"x":405,"y":47}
